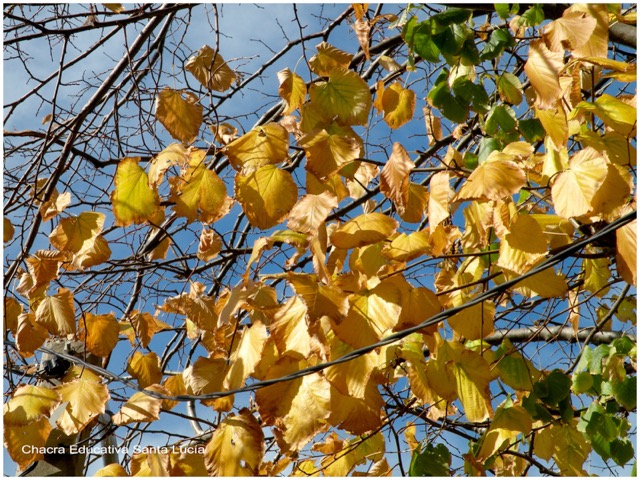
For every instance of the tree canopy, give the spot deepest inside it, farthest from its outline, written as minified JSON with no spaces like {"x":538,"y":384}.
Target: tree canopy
{"x":309,"y":240}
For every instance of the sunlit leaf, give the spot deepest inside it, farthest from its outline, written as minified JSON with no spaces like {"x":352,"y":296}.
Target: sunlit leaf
{"x":523,"y":246}
{"x":328,"y":59}
{"x":398,"y":105}
{"x":25,"y":443}
{"x":246,"y":356}
{"x":102,"y":333}
{"x":72,"y":233}
{"x":210,"y":70}
{"x":495,"y":179}
{"x":29,"y":335}
{"x":569,"y":32}
{"x":133,"y":200}
{"x":174,"y":154}
{"x":145,"y":368}
{"x":344,"y":95}
{"x":111,"y":470}
{"x":209,"y":246}
{"x":289,"y":329}
{"x":626,"y":252}
{"x":267,"y":195}
{"x":85,"y":400}
{"x":394,"y":178}
{"x":7,"y":230}
{"x":182,"y":118}
{"x":57,"y":313}
{"x":364,"y":230}
{"x":114,"y":7}
{"x":311,"y":212}
{"x":139,"y":408}
{"x":473,"y":322}
{"x":236,"y":447}
{"x":330,"y":149}
{"x":43,"y":267}
{"x":292,"y":90}
{"x":507,"y":424}
{"x":407,"y":247}
{"x":543,"y":69}
{"x":264,"y":145}
{"x":320,"y":299}
{"x":439,"y":194}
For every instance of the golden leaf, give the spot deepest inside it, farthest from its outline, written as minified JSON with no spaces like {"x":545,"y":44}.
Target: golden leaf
{"x":101,"y":333}
{"x":350,"y":378}
{"x":25,"y":442}
{"x":209,"y":246}
{"x":394,"y":178}
{"x":56,"y":313}
{"x":289,"y":329}
{"x":328,"y":59}
{"x":133,"y":200}
{"x":344,"y":95}
{"x":320,"y":299}
{"x":111,"y":470}
{"x":210,"y":69}
{"x":355,"y":453}
{"x":506,"y":425}
{"x":543,"y":70}
{"x":328,"y":150}
{"x":311,"y":211}
{"x":574,"y":189}
{"x":114,"y":7}
{"x":554,"y":121}
{"x":266,"y":195}
{"x":85,"y":400}
{"x":29,"y":335}
{"x":363,"y":230}
{"x":356,"y":415}
{"x":74,"y":233}
{"x":174,"y":384}
{"x":93,"y":253}
{"x":398,"y":105}
{"x":473,"y":322}
{"x":12,"y":310}
{"x":201,"y":195}
{"x":206,"y":375}
{"x":626,"y":252}
{"x":246,"y":356}
{"x":43,"y":267}
{"x":7,"y":230}
{"x":145,"y":326}
{"x":569,"y":32}
{"x":145,"y":368}
{"x":439,"y":193}
{"x":29,"y":404}
{"x":523,"y":246}
{"x":495,"y":179}
{"x":598,"y":43}
{"x":292,"y":90}
{"x":433,"y":126}
{"x":174,"y":154}
{"x":418,"y":304}
{"x":264,"y":145}
{"x":416,"y":205}
{"x":182,"y":118}
{"x":140,"y":408}
{"x":236,"y":447}
{"x":408,"y":247}
{"x":363,"y":29}
{"x":224,"y":133}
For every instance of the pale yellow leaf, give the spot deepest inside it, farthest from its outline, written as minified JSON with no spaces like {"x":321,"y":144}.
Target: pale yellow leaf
{"x":344,"y":95}
{"x":543,"y":70}
{"x":292,"y":90}
{"x":182,"y":118}
{"x":224,"y":133}
{"x":264,"y":145}
{"x":111,"y":470}
{"x":311,"y":212}
{"x":439,"y":194}
{"x":209,"y":246}
{"x":598,"y":43}
{"x":523,"y":246}
{"x":92,"y":253}
{"x":394,"y":178}
{"x":554,"y":121}
{"x":267,"y":195}
{"x":210,"y":69}
{"x":495,"y":179}
{"x":506,"y":425}
{"x":174,"y":154}
{"x":328,"y":59}
{"x":473,"y":322}
{"x":408,"y":247}
{"x":139,"y":408}
{"x":569,"y":32}
{"x":246,"y":356}
{"x":290,"y":330}
{"x":72,"y":233}
{"x":114,"y":7}
{"x":85,"y":400}
{"x":363,"y":230}
{"x":626,"y":252}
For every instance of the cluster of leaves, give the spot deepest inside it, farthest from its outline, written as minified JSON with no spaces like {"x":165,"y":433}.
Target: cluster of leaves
{"x":554,"y":156}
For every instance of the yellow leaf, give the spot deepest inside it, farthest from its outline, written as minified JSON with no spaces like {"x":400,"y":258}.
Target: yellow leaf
{"x":418,"y":200}
{"x":24,"y":442}
{"x":210,"y":69}
{"x":618,"y":149}
{"x":236,"y":447}
{"x":363,"y":29}
{"x":292,"y":90}
{"x":115,"y":8}
{"x":182,"y":118}
{"x":12,"y":310}
{"x":433,"y":126}
{"x":73,"y":233}
{"x":617,"y":114}
{"x":554,"y":121}
{"x":145,"y":368}
{"x":54,"y":205}
{"x":7,"y":230}
{"x":206,"y":375}
{"x":140,"y":408}
{"x":373,"y":312}
{"x":199,"y":309}
{"x":43,"y":267}
{"x":174,"y":384}
{"x":264,"y":145}
{"x":320,"y":299}
{"x":364,"y":230}
{"x":328,"y":59}
{"x":289,"y":329}
{"x":224,"y":133}
{"x":598,"y":43}
{"x":200,"y":194}
{"x":574,"y":189}
{"x":418,"y":304}
{"x":473,"y":322}
{"x":174,"y":154}
{"x":388,"y":63}
{"x":111,"y":470}
{"x":328,"y":150}
{"x":569,"y":32}
{"x":356,"y":415}
{"x":344,"y":95}
{"x":57,"y":313}
{"x":101,"y":333}
{"x":506,"y":425}
{"x":85,"y":399}
{"x":547,"y":284}
{"x":358,"y":451}
{"x":29,"y":404}
{"x":394,"y":178}
{"x":152,"y":464}
{"x":626,"y":252}
{"x":145,"y":326}
{"x":408,"y":247}
{"x":311,"y":211}
{"x":495,"y":179}
{"x":350,"y":378}
{"x":568,"y":446}
{"x":543,"y":69}
{"x":439,"y":193}
{"x":613,"y":194}
{"x":309,"y":410}
{"x":398,"y":105}
{"x":133,"y":200}
{"x":266,"y":195}
{"x":93,"y":253}
{"x":523,"y":246}
{"x":209,"y":246}
{"x":246,"y":356}
{"x":29,"y":335}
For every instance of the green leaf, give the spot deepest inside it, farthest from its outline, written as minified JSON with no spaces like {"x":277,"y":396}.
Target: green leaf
{"x":625,"y":393}
{"x":582,"y":382}
{"x":450,"y":106}
{"x":452,"y":16}
{"x":469,"y":54}
{"x":502,"y":117}
{"x":487,"y":145}
{"x":470,"y":160}
{"x":433,"y":461}
{"x":510,"y":88}
{"x":622,"y":345}
{"x":419,"y":38}
{"x":532,"y":130}
{"x":502,"y":9}
{"x":532,"y":16}
{"x":498,"y":41}
{"x":621,"y":451}
{"x":595,"y":363}
{"x":553,"y":389}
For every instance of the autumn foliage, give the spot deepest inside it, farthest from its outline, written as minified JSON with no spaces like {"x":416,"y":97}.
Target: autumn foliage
{"x":431,"y":239}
